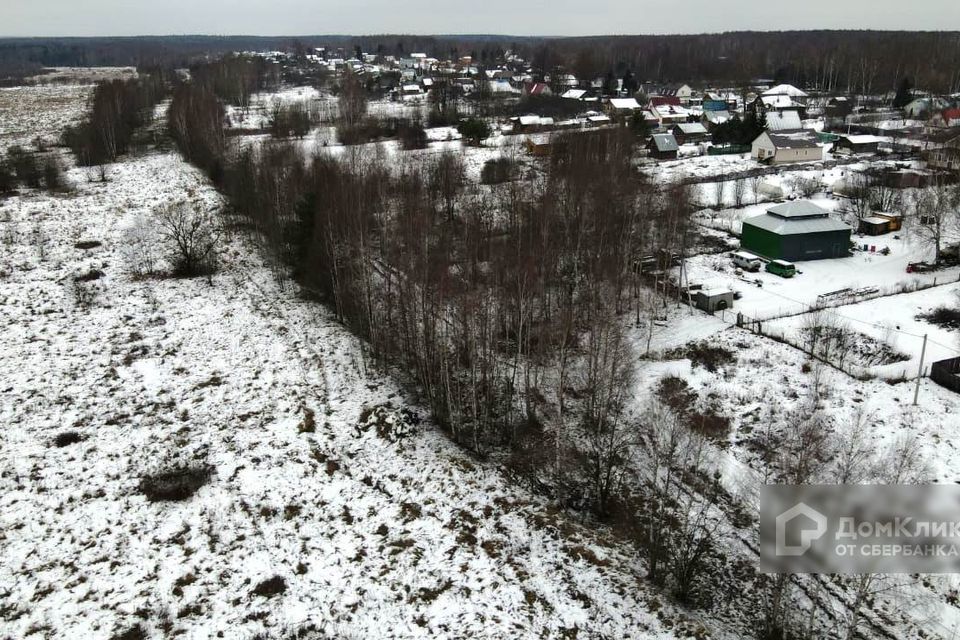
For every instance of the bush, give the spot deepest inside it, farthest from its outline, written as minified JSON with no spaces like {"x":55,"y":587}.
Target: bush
{"x":67,"y":438}
{"x":366,"y":130}
{"x":52,"y":174}
{"x":271,"y":587}
{"x":498,"y":170}
{"x":412,"y":135}
{"x":704,"y":355}
{"x":474,"y":130}
{"x":175,"y":485}
{"x":136,"y":632}
{"x":25,"y":167}
{"x":676,"y":394}
{"x":8,"y":180}
{"x":141,"y":241}
{"x":946,"y":317}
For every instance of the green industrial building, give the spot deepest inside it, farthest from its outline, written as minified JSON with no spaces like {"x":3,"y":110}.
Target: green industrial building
{"x":796,"y":231}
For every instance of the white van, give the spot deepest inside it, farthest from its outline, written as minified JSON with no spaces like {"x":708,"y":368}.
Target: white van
{"x":746,"y":261}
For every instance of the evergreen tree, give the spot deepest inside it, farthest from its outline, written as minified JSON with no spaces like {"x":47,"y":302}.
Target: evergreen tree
{"x":904,"y":94}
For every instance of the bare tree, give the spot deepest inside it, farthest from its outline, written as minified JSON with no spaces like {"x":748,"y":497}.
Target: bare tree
{"x":739,"y":191}
{"x":755,"y":181}
{"x":141,"y":244}
{"x":193,"y":233}
{"x":936,"y":214}
{"x":352,"y":103}
{"x":719,"y":191}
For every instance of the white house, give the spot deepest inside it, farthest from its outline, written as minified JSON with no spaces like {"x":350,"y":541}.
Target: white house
{"x":624,"y":105}
{"x":786,"y":90}
{"x":782,"y":147}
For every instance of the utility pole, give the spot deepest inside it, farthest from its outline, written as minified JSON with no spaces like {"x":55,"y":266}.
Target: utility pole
{"x":923,"y":353}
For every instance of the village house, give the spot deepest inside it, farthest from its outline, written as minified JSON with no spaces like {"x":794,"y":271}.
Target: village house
{"x":574,"y":94}
{"x":537,"y":89}
{"x":623,"y":106}
{"x":783,"y":147}
{"x":838,"y":107}
{"x":682,"y":92}
{"x":689,"y":132}
{"x":663,"y":146}
{"x":784,"y":120}
{"x":713,"y":118}
{"x":795,"y":95}
{"x":668,"y":111}
{"x":943,"y":150}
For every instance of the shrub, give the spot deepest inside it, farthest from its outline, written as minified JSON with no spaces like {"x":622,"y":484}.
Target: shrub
{"x":176,"y":485}
{"x":52,"y":174}
{"x":676,"y":394}
{"x":498,"y":170}
{"x":946,"y":317}
{"x":411,"y":135}
{"x":8,"y":180}
{"x":704,"y":355}
{"x":710,"y":424}
{"x":67,"y":438}
{"x":140,"y":247}
{"x":25,"y":167}
{"x":136,"y":632}
{"x":271,"y":587}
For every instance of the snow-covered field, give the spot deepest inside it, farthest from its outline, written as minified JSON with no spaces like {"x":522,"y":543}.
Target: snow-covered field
{"x":371,"y":536}
{"x":45,"y":111}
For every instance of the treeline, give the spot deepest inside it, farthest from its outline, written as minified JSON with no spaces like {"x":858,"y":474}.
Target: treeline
{"x":834,"y":61}
{"x":118,"y":108}
{"x":840,"y":61}
{"x":235,"y":78}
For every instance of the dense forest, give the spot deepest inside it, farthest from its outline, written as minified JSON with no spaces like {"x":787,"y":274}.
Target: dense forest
{"x":847,"y":61}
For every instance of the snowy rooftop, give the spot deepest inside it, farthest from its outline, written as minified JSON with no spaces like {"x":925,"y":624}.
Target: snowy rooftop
{"x":665,"y":142}
{"x":864,"y":139}
{"x":691,"y":127}
{"x":624,"y":103}
{"x":783,"y":121}
{"x":792,"y":226}
{"x":785,"y":90}
{"x":796,"y":139}
{"x":798,"y":209}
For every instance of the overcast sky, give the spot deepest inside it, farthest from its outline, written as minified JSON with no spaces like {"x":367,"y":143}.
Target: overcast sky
{"x":523,"y":17}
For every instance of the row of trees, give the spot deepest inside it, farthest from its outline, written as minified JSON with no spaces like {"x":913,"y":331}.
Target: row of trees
{"x":117,"y":109}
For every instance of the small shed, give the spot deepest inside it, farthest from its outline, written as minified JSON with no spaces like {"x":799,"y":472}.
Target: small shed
{"x":874,"y":226}
{"x":713,"y":300}
{"x":539,"y":145}
{"x":663,"y":146}
{"x":895,"y":220}
{"x":857,"y":144}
